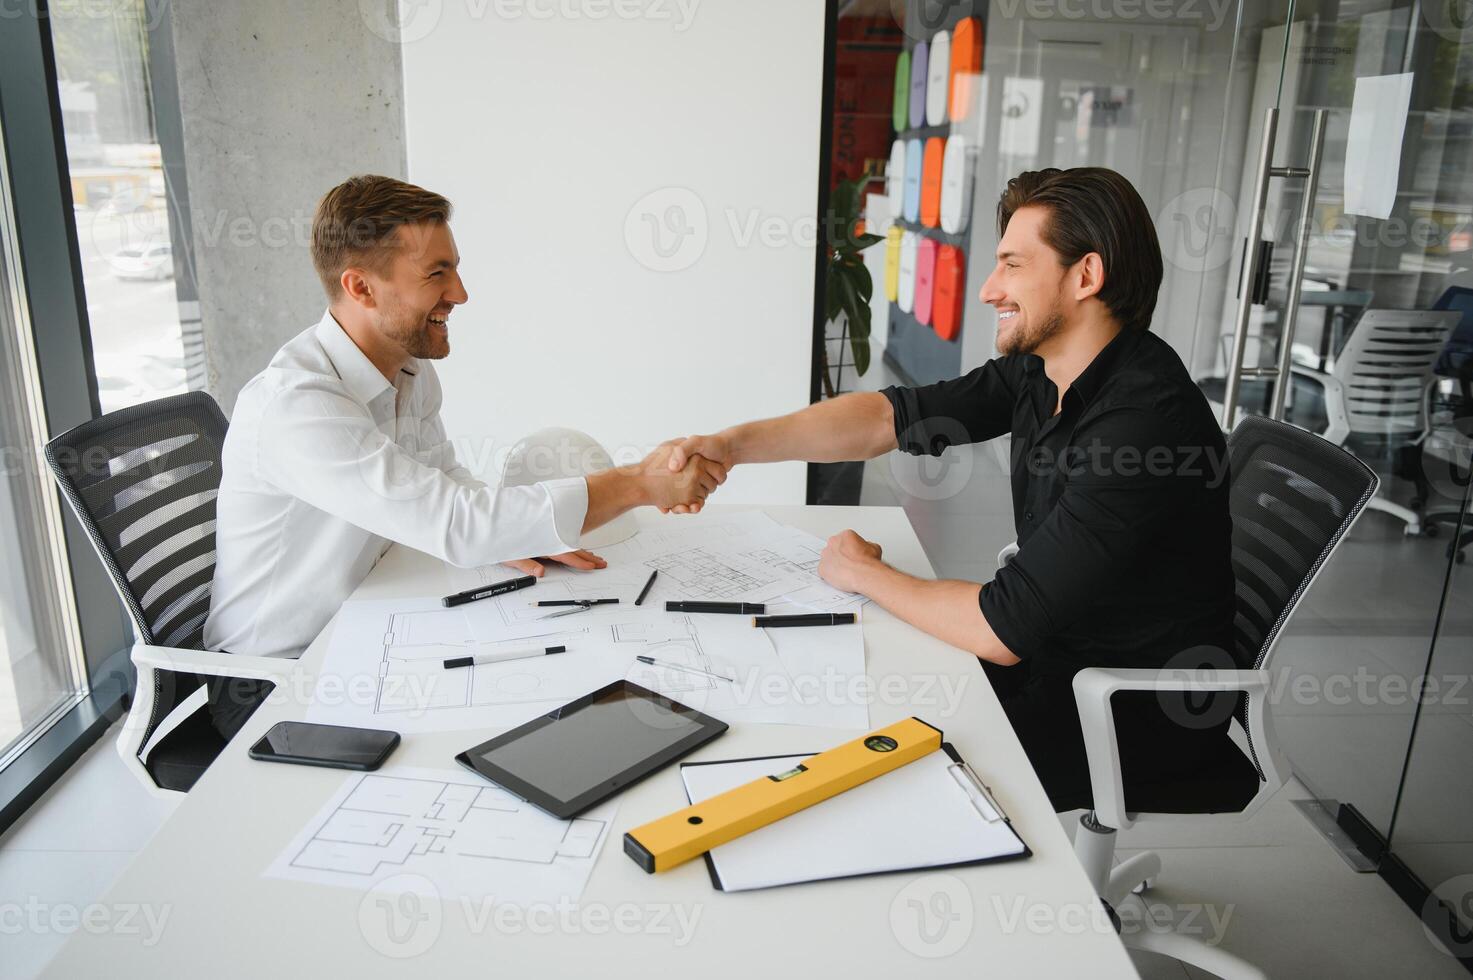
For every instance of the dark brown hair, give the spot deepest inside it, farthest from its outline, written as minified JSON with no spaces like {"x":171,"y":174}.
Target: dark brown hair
{"x":356,"y":222}
{"x":1092,"y":209}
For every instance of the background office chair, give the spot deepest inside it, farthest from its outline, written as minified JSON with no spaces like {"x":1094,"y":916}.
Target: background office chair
{"x":1448,"y":447}
{"x":1293,"y":499}
{"x":143,"y":482}
{"x":1377,"y":390}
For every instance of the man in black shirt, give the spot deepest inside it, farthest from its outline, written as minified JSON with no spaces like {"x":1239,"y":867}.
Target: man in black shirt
{"x":1119,"y":479}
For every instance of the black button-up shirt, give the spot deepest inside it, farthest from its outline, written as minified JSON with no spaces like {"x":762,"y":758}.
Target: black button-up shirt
{"x":1120,"y":503}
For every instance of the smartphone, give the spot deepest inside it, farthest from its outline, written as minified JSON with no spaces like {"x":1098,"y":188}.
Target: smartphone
{"x":333,"y":746}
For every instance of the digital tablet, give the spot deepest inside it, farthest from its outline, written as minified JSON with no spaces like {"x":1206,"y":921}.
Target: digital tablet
{"x":582,"y":753}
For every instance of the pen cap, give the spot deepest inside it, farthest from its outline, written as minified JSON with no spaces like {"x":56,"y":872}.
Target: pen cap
{"x":556,"y":454}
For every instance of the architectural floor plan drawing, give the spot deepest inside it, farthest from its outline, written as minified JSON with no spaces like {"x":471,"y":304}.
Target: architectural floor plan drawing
{"x":384,"y":666}
{"x":467,"y":836}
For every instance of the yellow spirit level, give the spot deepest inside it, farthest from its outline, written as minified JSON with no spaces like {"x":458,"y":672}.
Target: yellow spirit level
{"x":674,"y":839}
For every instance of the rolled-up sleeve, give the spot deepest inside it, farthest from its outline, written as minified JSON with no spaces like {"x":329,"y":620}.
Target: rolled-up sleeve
{"x":320,"y":445}
{"x":973,"y":408}
{"x":1123,"y":490}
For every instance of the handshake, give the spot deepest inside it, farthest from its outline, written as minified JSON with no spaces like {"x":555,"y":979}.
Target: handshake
{"x":678,"y":476}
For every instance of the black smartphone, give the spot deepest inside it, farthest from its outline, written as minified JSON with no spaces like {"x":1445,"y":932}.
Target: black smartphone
{"x":333,"y":746}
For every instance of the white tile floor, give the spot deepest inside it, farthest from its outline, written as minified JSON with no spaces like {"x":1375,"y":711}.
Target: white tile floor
{"x":67,"y":850}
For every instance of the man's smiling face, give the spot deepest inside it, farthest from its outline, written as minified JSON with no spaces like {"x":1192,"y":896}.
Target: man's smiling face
{"x":419,"y":289}
{"x":1026,"y":286}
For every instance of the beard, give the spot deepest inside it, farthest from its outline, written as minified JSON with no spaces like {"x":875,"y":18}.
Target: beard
{"x":411,"y":330}
{"x":1026,"y":341}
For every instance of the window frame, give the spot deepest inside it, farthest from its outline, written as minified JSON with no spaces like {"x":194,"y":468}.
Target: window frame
{"x":49,"y":274}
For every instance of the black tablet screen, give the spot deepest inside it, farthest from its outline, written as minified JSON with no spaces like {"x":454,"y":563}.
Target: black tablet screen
{"x":591,"y":745}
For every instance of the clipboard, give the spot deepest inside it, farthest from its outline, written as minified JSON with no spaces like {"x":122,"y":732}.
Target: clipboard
{"x":937,"y":810}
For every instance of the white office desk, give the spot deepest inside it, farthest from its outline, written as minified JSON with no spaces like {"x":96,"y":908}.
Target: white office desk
{"x":1036,"y":917}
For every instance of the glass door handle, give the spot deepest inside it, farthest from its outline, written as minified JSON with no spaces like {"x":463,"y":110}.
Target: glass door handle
{"x":1256,"y":261}
{"x":1311,"y":178}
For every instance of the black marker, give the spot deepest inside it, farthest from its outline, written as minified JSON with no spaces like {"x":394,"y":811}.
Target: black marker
{"x":646,"y":590}
{"x":487,"y":591}
{"x":576,"y":602}
{"x":809,"y":619}
{"x":738,"y":608}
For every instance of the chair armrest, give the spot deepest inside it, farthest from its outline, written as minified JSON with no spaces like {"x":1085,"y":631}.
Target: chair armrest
{"x":212,"y":662}
{"x":1093,"y":688}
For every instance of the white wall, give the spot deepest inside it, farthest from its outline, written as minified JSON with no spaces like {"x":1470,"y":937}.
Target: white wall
{"x":549,"y":135}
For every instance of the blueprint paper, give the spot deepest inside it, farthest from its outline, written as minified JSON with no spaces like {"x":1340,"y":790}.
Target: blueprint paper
{"x":469,"y":838}
{"x":384,"y":667}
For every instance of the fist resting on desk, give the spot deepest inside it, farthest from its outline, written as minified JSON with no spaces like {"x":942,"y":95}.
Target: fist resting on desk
{"x":845,"y":560}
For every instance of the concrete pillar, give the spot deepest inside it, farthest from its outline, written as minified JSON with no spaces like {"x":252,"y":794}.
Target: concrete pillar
{"x":279,"y":101}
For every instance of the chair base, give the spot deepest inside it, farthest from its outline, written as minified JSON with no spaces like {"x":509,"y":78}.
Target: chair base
{"x":1094,"y":845}
{"x":1411,"y":518}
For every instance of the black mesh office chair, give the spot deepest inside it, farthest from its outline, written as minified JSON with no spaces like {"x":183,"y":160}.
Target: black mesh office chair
{"x":143,"y":482}
{"x":1293,"y":499}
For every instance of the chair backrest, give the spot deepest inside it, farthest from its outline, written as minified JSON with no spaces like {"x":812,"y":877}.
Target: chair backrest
{"x":1386,"y":367}
{"x":143,"y":482}
{"x":1293,"y":498}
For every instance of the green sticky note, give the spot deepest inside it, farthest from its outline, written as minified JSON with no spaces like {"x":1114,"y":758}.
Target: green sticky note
{"x":901,"y":110}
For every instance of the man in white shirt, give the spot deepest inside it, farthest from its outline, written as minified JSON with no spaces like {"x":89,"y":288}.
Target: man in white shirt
{"x":337,"y":450}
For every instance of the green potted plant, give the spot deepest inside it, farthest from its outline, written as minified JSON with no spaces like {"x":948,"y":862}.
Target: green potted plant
{"x":847,"y":283}
{"x":847,"y":291}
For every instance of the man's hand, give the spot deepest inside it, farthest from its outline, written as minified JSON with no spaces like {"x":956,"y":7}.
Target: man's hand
{"x":585,"y":560}
{"x":682,"y":488}
{"x":845,"y":560}
{"x":715,"y":448}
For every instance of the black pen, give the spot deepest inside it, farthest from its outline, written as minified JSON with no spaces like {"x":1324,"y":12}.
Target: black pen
{"x":576,"y":602}
{"x":646,"y":590}
{"x":739,"y":608}
{"x":487,"y":591}
{"x":808,"y":619}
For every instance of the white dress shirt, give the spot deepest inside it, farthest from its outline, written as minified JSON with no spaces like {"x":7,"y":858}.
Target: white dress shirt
{"x":326,"y":464}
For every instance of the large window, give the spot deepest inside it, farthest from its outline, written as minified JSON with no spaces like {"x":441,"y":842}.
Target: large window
{"x":40,"y":665}
{"x":134,"y":273}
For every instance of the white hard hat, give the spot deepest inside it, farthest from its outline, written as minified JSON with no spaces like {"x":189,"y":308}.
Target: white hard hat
{"x":554,"y":454}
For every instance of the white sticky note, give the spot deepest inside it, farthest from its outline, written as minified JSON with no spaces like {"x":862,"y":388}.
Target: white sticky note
{"x":1378,"y":117}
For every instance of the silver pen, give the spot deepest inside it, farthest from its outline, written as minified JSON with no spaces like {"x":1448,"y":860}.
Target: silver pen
{"x":674,"y":666}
